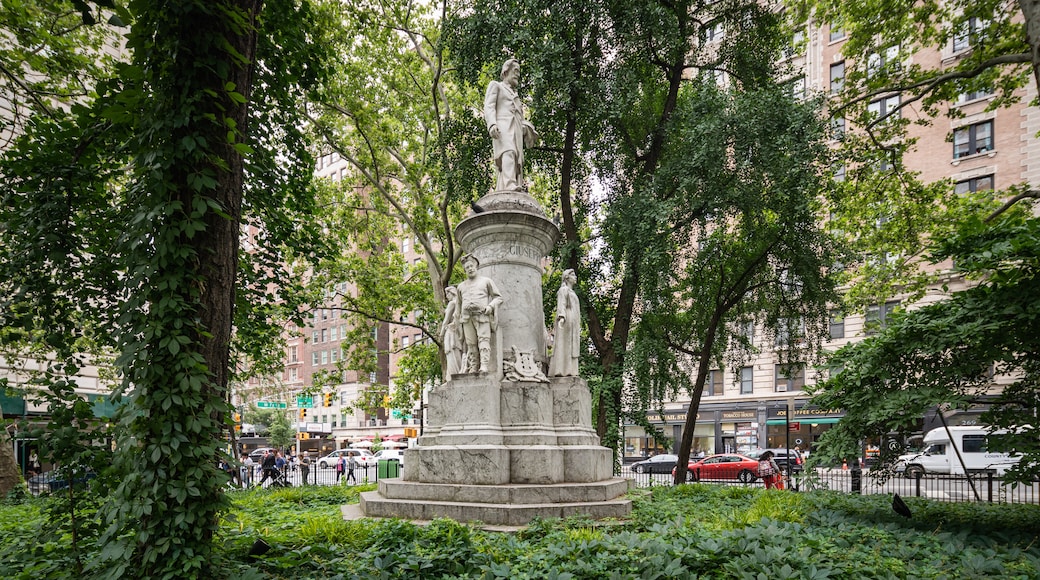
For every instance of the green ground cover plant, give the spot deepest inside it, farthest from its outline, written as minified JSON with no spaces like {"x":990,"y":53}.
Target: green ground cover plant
{"x":688,"y":531}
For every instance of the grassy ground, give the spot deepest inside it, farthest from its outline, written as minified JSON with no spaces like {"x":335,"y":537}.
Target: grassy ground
{"x":690,"y":531}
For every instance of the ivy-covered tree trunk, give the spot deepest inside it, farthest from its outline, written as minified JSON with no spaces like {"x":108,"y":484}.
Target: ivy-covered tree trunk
{"x":187,"y":93}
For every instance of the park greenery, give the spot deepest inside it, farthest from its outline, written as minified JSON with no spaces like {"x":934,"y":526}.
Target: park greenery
{"x":674,"y":532}
{"x":168,"y":224}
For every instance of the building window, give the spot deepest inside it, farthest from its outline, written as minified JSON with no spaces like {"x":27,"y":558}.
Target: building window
{"x":405,"y":243}
{"x":404,"y":341}
{"x":790,"y":331}
{"x":324,"y":335}
{"x":973,"y":139}
{"x":294,"y":374}
{"x":839,"y":174}
{"x":984,"y":183}
{"x":333,"y":330}
{"x":293,"y":354}
{"x":324,"y":313}
{"x":417,"y":339}
{"x":796,"y":45}
{"x":837,"y":76}
{"x":713,"y":31}
{"x":747,"y":380}
{"x":883,"y":108}
{"x":314,"y":359}
{"x":372,"y":377}
{"x":333,"y":355}
{"x":887,"y":58}
{"x":836,"y":32}
{"x":714,"y":386}
{"x":968,"y":33}
{"x":837,"y":325}
{"x":877,"y":317}
{"x":973,"y":95}
{"x":790,"y":378}
{"x":838,"y":128}
{"x":314,"y":336}
{"x":324,"y":357}
{"x":796,"y":87}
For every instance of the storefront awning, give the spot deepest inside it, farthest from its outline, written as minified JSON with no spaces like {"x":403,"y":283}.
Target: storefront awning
{"x":12,"y":405}
{"x":813,"y":421}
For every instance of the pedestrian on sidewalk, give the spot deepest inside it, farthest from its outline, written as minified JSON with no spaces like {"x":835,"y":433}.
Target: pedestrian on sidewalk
{"x":305,"y":466}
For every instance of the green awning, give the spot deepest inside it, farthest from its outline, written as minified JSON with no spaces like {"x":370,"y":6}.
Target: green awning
{"x":12,"y":405}
{"x":813,"y":421}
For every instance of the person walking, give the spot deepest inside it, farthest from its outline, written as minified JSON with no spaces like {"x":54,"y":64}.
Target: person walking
{"x":268,"y":467}
{"x":769,"y":471}
{"x":351,"y":466}
{"x":34,"y":464}
{"x":305,"y":467}
{"x":246,"y":471}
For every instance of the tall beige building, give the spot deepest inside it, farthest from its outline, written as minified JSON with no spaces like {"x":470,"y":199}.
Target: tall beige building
{"x":746,"y":407}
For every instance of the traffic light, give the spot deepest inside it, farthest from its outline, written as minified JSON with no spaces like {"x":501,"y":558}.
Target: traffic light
{"x":303,"y":413}
{"x":303,"y":435}
{"x":238,"y":422}
{"x":411,"y":432}
{"x":328,"y":399}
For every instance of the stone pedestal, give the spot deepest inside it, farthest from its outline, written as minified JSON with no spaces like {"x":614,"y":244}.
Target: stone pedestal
{"x":506,"y":451}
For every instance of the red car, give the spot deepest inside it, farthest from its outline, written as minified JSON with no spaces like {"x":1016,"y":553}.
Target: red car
{"x":722,"y":466}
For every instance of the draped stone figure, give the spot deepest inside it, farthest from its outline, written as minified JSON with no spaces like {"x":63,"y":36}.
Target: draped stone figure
{"x":451,"y":334}
{"x":567,"y":331}
{"x":510,"y":133}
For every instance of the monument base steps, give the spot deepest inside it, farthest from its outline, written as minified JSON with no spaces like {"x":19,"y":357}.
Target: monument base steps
{"x":509,"y":505}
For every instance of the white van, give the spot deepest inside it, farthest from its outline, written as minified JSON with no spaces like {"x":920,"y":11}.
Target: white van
{"x":940,"y":453}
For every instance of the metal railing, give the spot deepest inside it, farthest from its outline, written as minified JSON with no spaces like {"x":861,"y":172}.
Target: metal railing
{"x":973,"y":487}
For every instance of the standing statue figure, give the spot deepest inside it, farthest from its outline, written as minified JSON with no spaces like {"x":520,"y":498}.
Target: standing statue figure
{"x":478,"y":301}
{"x":451,"y":334}
{"x":510,"y":132}
{"x":567,"y":334}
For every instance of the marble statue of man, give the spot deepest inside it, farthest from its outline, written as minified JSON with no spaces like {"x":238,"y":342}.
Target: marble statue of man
{"x":567,"y":332}
{"x":510,"y":133}
{"x":478,"y":302}
{"x":451,"y":334}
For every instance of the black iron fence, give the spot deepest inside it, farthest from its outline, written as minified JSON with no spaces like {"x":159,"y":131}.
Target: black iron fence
{"x":978,"y":487}
{"x":316,"y":475}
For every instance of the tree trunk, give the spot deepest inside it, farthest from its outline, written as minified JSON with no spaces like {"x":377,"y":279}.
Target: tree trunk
{"x":10,"y":476}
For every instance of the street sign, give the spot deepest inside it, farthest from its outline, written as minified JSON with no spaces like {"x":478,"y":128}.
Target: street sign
{"x":271,"y":405}
{"x":305,"y":402}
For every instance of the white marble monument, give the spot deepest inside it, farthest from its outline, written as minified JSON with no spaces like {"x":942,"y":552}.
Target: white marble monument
{"x":503,"y":442}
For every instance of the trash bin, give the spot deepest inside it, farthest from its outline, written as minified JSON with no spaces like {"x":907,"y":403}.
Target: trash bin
{"x":388,"y":469}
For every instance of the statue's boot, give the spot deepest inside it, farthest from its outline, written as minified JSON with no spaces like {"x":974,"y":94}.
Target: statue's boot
{"x":485,"y":357}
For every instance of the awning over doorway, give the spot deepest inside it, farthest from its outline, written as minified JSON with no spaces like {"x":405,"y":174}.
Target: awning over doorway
{"x":12,"y":405}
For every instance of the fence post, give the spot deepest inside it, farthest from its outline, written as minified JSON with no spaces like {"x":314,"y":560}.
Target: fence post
{"x":917,"y":483}
{"x":989,"y":486}
{"x":857,"y":478}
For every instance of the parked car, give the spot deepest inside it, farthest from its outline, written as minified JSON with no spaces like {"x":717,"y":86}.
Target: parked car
{"x":395,"y":454}
{"x":257,"y":455}
{"x":663,"y":463}
{"x":723,"y":466}
{"x":362,"y":456}
{"x":52,"y":481}
{"x":788,"y":460}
